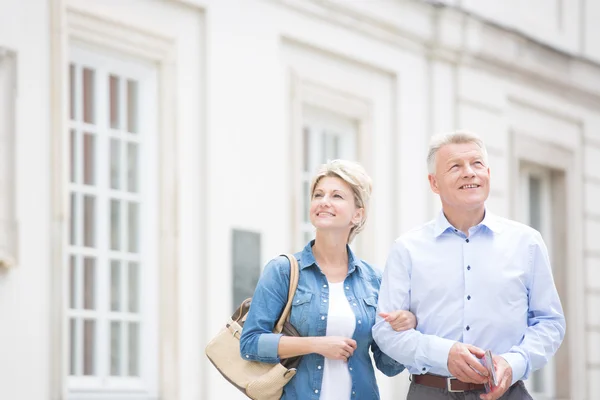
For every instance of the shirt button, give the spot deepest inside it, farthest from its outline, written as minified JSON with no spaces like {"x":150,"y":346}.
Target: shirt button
{"x":322,"y":317}
{"x":247,"y":356}
{"x":324,"y":285}
{"x":319,"y":367}
{"x":354,"y":304}
{"x":324,"y":300}
{"x":424,"y":369}
{"x":316,"y":390}
{"x":467,"y":240}
{"x":347,"y":287}
{"x":359,"y":321}
{"x":468,"y":297}
{"x":350,"y":368}
{"x":468,"y":267}
{"x":353,"y":393}
{"x":468,"y":327}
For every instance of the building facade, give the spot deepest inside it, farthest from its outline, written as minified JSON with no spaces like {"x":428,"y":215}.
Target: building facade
{"x":155,"y":154}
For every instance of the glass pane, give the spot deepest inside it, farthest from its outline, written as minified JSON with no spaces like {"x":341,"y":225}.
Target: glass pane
{"x":73,"y":150}
{"x":88,"y":96}
{"x":538,"y":381}
{"x":72,"y":91}
{"x":88,"y":158}
{"x":72,"y":346}
{"x":115,"y":223}
{"x":133,"y":228}
{"x":114,"y":101}
{"x":89,"y":221}
{"x":115,"y":163}
{"x":89,"y":343}
{"x":115,"y":285}
{"x":336,"y":148}
{"x":535,"y":203}
{"x":73,"y":216}
{"x":306,"y":148}
{"x":305,"y":200}
{"x":133,"y":280}
{"x":72,"y":281}
{"x":132,"y":106}
{"x":115,"y":348}
{"x":132,"y":167}
{"x":89,"y":283}
{"x":134,"y":369}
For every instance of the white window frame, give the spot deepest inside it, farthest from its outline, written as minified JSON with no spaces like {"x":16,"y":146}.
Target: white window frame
{"x":544,"y":175}
{"x":145,"y":386}
{"x":8,"y":221}
{"x":331,"y":110}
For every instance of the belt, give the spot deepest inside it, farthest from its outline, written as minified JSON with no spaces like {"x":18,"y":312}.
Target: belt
{"x":441,"y":382}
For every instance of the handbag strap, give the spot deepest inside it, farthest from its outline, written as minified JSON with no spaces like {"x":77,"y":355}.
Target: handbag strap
{"x":294,"y":273}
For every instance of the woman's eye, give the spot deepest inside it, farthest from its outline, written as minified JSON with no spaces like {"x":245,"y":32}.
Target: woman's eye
{"x":338,"y":196}
{"x":317,"y":195}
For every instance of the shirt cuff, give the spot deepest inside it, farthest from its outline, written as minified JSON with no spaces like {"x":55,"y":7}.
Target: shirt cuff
{"x":268,"y":344}
{"x":517,"y":363}
{"x":437,"y":354}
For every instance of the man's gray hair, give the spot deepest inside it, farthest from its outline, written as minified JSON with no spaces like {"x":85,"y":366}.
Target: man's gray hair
{"x":456,"y":137}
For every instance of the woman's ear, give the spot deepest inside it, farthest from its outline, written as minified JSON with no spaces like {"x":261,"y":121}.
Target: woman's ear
{"x":358,"y":216}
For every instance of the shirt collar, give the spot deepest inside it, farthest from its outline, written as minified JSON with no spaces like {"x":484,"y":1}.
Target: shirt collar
{"x":308,"y":258}
{"x":442,"y":224}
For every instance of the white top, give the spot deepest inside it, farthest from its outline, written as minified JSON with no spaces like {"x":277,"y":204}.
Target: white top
{"x":341,"y":321}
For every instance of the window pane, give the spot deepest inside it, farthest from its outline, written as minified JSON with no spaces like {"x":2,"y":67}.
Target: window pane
{"x":134,"y":349}
{"x":73,"y":150}
{"x":88,"y":158}
{"x":133,"y":279}
{"x":72,"y":346}
{"x":89,"y":221}
{"x":114,"y":101}
{"x":88,"y":96}
{"x":115,"y":285}
{"x":89,"y":343}
{"x":305,"y":200}
{"x":72,"y":91}
{"x":132,"y":167}
{"x":115,"y":163}
{"x":115,"y":223}
{"x":115,"y":348}
{"x":535,"y":203}
{"x":133,"y":227}
{"x":73,"y":223}
{"x":306,"y":148}
{"x":72,"y":281}
{"x":132,"y":106}
{"x":89,"y":283}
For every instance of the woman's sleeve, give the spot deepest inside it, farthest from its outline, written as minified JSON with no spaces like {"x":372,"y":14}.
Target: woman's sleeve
{"x":258,"y":342}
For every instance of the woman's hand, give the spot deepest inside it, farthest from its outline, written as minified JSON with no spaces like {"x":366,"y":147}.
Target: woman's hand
{"x":400,"y":320}
{"x":335,"y":347}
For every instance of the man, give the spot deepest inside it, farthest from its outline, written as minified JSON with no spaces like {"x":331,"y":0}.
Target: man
{"x":475,"y":282}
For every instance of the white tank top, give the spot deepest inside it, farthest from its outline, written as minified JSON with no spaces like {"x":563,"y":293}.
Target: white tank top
{"x":341,"y":321}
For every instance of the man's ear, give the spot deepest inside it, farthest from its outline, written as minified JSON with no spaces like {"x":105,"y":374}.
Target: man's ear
{"x":433,"y":183}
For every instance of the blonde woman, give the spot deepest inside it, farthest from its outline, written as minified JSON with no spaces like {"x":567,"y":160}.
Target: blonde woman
{"x":335,"y":304}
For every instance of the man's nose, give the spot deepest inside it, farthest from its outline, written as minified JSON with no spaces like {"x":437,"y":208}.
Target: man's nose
{"x":469,"y":172}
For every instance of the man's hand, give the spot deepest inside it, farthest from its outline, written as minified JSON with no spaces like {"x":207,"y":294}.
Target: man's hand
{"x":464,"y":365}
{"x":504,"y":375}
{"x":400,"y":320}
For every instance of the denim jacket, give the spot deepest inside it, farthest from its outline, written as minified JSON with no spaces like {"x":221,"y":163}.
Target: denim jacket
{"x":309,"y":316}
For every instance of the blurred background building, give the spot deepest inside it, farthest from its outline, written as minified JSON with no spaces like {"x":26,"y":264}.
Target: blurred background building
{"x":155,"y":154}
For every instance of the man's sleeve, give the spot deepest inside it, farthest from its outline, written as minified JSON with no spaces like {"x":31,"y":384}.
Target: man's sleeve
{"x":411,"y":347}
{"x":546,"y":321}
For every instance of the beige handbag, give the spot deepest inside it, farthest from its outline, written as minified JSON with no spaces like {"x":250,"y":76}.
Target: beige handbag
{"x":258,"y":381}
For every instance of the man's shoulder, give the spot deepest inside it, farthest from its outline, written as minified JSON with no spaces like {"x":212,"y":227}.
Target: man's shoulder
{"x":418,"y":233}
{"x":509,"y":226}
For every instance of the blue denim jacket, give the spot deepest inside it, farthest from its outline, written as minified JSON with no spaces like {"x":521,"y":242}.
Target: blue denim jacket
{"x":309,"y":316}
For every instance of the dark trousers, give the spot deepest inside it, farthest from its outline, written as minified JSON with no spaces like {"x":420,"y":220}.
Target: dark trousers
{"x":422,"y":392}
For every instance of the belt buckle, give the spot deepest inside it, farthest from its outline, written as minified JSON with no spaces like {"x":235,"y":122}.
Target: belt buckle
{"x":449,"y":385}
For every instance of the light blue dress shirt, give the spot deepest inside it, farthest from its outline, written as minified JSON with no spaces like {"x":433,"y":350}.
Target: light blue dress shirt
{"x":493,"y":289}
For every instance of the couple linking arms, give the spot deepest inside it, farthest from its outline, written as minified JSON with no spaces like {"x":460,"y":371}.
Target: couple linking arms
{"x":473,"y":280}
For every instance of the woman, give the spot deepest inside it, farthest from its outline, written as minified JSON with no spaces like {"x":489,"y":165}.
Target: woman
{"x":335,"y":304}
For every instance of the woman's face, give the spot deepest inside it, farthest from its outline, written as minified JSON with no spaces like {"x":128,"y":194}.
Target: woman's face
{"x":332,"y":206}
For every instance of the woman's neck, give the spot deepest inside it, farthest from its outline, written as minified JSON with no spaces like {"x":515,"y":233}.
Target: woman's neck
{"x":331,"y":255}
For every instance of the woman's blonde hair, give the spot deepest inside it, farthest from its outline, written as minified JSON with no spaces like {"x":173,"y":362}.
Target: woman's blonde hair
{"x":356,"y":177}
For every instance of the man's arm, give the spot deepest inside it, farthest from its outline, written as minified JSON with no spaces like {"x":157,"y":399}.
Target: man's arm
{"x":409,"y":347}
{"x":546,"y":321}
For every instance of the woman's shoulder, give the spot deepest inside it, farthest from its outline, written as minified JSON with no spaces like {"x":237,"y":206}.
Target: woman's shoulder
{"x":369,"y":270}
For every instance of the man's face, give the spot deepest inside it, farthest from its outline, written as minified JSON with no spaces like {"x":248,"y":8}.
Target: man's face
{"x":462,"y":177}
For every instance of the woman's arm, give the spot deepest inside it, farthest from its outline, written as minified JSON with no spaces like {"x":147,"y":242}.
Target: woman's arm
{"x":333,"y":347}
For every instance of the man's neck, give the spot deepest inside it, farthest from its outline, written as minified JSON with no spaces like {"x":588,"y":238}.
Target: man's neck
{"x":463,"y":219}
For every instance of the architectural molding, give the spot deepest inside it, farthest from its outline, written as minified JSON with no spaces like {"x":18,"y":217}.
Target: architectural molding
{"x":457,"y":36}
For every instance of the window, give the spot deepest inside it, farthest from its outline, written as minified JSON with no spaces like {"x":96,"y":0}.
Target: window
{"x":536,"y":193}
{"x":8,"y":225}
{"x":325,"y":136}
{"x":112,"y":317}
